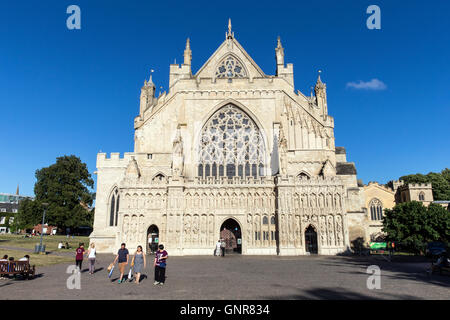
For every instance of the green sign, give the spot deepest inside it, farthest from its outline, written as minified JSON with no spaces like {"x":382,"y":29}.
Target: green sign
{"x":377,"y":245}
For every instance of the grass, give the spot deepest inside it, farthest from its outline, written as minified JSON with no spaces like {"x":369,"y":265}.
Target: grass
{"x":51,"y":242}
{"x":38,"y":260}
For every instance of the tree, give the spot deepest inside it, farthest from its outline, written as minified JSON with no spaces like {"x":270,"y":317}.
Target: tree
{"x":28,"y":215}
{"x":440,"y":182}
{"x":413,"y":224}
{"x":64,"y":186}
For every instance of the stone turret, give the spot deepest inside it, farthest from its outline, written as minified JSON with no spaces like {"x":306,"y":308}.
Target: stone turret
{"x":147,"y":95}
{"x":286,"y":72}
{"x":187,"y":53}
{"x":178,"y":72}
{"x":321,"y":96}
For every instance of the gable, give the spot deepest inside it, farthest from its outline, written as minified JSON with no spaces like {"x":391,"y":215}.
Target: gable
{"x":229,"y":52}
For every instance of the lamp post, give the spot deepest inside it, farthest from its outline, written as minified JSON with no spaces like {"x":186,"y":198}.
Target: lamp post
{"x":42,"y":226}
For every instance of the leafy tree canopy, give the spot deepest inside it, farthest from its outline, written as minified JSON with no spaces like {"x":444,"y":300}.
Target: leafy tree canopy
{"x":28,"y":215}
{"x":413,"y":224}
{"x":64,"y":187}
{"x":440,"y":182}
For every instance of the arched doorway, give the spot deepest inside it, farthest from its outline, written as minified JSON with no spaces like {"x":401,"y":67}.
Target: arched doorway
{"x":152,"y":238}
{"x":311,"y":240}
{"x":230,"y":231}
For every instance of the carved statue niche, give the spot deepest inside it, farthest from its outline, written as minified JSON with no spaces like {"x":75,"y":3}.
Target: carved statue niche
{"x":177,"y":155}
{"x":187,"y":228}
{"x":249,"y":228}
{"x":331,"y":230}
{"x":323,"y":231}
{"x":339,"y":238}
{"x":282,"y":150}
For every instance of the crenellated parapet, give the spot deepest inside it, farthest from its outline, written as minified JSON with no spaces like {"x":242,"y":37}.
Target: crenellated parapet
{"x":114,"y":160}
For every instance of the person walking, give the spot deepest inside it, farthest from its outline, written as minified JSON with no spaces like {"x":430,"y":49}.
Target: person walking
{"x":122,"y":256}
{"x":222,"y":247}
{"x":217,"y":249}
{"x":139,"y":263}
{"x":79,"y":255}
{"x":91,"y":258}
{"x":160,"y":265}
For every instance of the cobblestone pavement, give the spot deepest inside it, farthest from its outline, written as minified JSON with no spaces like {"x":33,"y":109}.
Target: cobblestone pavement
{"x":241,"y":277}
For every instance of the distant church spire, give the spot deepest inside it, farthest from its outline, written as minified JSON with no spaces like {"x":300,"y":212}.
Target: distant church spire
{"x":229,"y":34}
{"x":17,"y":191}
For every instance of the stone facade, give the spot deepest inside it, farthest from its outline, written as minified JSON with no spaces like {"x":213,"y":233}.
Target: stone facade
{"x":379,"y":197}
{"x":230,"y":142}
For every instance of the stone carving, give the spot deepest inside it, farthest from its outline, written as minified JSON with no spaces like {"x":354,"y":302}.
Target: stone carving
{"x":330,"y":231}
{"x":282,"y":150}
{"x":339,"y":236}
{"x":187,"y":228}
{"x":323,"y":231}
{"x":177,"y":155}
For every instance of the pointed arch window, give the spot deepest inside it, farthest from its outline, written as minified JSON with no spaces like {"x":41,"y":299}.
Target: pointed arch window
{"x":376,"y":209}
{"x":231,"y":145}
{"x":230,"y":67}
{"x":114,"y":207}
{"x":422,"y":196}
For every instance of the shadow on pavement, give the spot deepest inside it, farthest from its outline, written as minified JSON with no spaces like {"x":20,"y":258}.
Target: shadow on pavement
{"x":407,"y":269}
{"x":334,"y":294}
{"x":99,"y":269}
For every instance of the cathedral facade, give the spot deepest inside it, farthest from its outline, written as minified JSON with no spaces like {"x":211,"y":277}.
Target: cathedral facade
{"x":233,"y":148}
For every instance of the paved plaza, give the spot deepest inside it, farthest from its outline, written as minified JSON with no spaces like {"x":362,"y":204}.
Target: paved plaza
{"x":242,"y":277}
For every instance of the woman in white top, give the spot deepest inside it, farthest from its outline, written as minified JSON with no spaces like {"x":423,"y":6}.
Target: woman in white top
{"x":217,"y":250}
{"x":91,"y":258}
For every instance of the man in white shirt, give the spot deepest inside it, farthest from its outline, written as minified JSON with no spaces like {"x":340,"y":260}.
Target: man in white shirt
{"x":25,"y":258}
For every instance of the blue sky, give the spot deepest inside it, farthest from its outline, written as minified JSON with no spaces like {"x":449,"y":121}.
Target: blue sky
{"x":77,"y":91}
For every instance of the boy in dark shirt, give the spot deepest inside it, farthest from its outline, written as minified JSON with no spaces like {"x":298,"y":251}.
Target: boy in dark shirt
{"x":122,"y":256}
{"x":160,"y":265}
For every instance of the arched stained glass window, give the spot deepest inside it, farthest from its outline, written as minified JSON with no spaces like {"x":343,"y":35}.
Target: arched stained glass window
{"x":376,"y":209}
{"x":265,"y":220}
{"x":230,"y":67}
{"x":231,"y":145}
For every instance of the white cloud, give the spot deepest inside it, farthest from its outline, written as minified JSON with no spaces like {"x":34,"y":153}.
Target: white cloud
{"x":373,"y":84}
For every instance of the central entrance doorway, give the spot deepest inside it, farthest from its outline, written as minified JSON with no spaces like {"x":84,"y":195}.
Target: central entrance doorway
{"x":152,"y":238}
{"x":230,"y":231}
{"x":311,"y":240}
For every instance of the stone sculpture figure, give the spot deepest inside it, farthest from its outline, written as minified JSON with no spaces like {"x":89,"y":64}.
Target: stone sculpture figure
{"x":282,"y":150}
{"x":177,"y":155}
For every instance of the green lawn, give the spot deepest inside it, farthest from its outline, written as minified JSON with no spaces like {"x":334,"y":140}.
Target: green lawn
{"x":38,"y":260}
{"x":51,"y":242}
